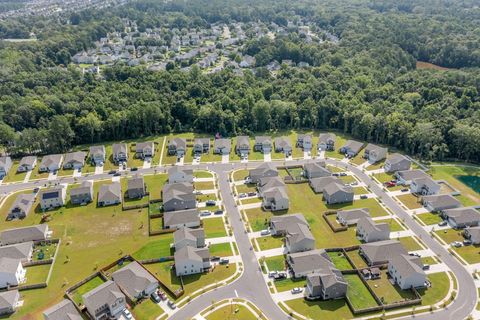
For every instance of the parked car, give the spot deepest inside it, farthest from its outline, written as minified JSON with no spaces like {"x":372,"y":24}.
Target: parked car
{"x":354,"y":183}
{"x":162,"y":295}
{"x":363,"y":196}
{"x":218,"y":212}
{"x":272,"y":274}
{"x":265,"y":232}
{"x":343,"y":174}
{"x":335,"y":174}
{"x":390,"y":184}
{"x":467,"y":242}
{"x":280,"y":276}
{"x":210,"y":203}
{"x":171,"y":304}
{"x":242,"y":195}
{"x":224,"y":261}
{"x":127,"y":314}
{"x":205,"y":213}
{"x":252,"y":194}
{"x":198,"y":192}
{"x":404,"y":190}
{"x":117,"y":174}
{"x":112,"y":171}
{"x":456,"y":244}
{"x":155,"y":297}
{"x":297,"y":290}
{"x":214,"y":258}
{"x":426,"y":267}
{"x":134,"y":169}
{"x":442,"y":223}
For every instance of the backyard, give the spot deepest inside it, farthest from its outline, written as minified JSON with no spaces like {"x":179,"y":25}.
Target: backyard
{"x":358,"y":293}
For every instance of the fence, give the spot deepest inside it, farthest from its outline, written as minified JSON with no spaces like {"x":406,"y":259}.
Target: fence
{"x":330,"y":224}
{"x":37,"y":263}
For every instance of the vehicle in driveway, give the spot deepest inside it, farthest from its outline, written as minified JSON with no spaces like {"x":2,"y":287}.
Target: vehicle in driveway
{"x":390,"y":184}
{"x":426,"y":267}
{"x":272,"y":274}
{"x":252,"y":194}
{"x":363,"y":196}
{"x":112,"y":171}
{"x":117,"y":174}
{"x":155,"y":297}
{"x":127,"y":314}
{"x":343,"y":174}
{"x":210,"y":203}
{"x":456,"y":244}
{"x":218,"y":212}
{"x":171,"y":304}
{"x":224,"y":261}
{"x":134,"y":169}
{"x":404,"y":190}
{"x":214,"y":258}
{"x":205,"y":213}
{"x":296,"y":290}
{"x":467,"y":242}
{"x":280,"y":276}
{"x":242,"y":195}
{"x":442,"y":223}
{"x":265,"y":232}
{"x":162,"y":295}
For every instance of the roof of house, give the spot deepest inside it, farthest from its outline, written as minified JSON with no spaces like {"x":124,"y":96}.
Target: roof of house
{"x":326,"y":137}
{"x":175,"y":169}
{"x":51,"y":159}
{"x":119,"y":148}
{"x":133,"y":278}
{"x":191,"y":253}
{"x":51,"y":193}
{"x":395,"y":158}
{"x":97,"y":150}
{"x":23,"y":201}
{"x":188,"y":233}
{"x":283,"y":142}
{"x":180,"y":190}
{"x":284,"y":223}
{"x":33,"y":233}
{"x":3,"y":161}
{"x":328,"y":276}
{"x":110,"y":192}
{"x":263,"y":139}
{"x":172,"y":218}
{"x":222,"y":143}
{"x":407,"y":265}
{"x":266,"y":183}
{"x":105,"y":294}
{"x":20,"y":251}
{"x":369,"y":225}
{"x":298,"y":232}
{"x":8,"y":300}
{"x":463,"y":215}
{"x":65,"y":310}
{"x":382,"y":250}
{"x":306,"y":261}
{"x":335,"y":187}
{"x":474,"y":231}
{"x":261,"y":169}
{"x":354,"y":145}
{"x":140,"y":146}
{"x":442,"y":200}
{"x":135,"y":182}
{"x":28,"y":161}
{"x":85,"y":187}
{"x":9,"y":265}
{"x":425,"y":181}
{"x":322,"y":182}
{"x":243,"y":141}
{"x":78,"y":156}
{"x":304,"y":137}
{"x":317,"y":165}
{"x":375,"y":148}
{"x":412,"y":174}
{"x":353,"y":214}
{"x":202,"y":141}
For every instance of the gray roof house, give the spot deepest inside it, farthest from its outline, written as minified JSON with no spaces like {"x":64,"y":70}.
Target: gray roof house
{"x":327,"y":284}
{"x":283,"y":144}
{"x":338,"y":193}
{"x":82,"y":194}
{"x":74,"y":160}
{"x":266,"y":169}
{"x":22,"y":206}
{"x":299,"y":238}
{"x":374,"y":153}
{"x":37,"y":232}
{"x":50,"y":163}
{"x":281,"y":224}
{"x":20,"y":251}
{"x":145,"y":149}
{"x":436,"y":203}
{"x":370,"y":231}
{"x":27,"y":164}
{"x":274,"y":194}
{"x":5,"y":165}
{"x":315,"y":169}
{"x":109,"y":194}
{"x":425,"y":186}
{"x":106,"y":300}
{"x":381,"y":252}
{"x":183,"y":218}
{"x":407,"y":271}
{"x":397,"y":162}
{"x":178,"y":196}
{"x":119,"y":152}
{"x":190,"y":260}
{"x":135,"y":280}
{"x":242,"y":147}
{"x":303,"y":263}
{"x":472,"y":233}
{"x":177,"y":146}
{"x":351,"y":148}
{"x":351,"y":217}
{"x":460,"y":218}
{"x":65,"y":310}
{"x":53,"y":197}
{"x":9,"y":301}
{"x":318,"y":184}
{"x":304,"y":141}
{"x":406,"y":177}
{"x":326,"y":142}
{"x":177,"y":174}
{"x":222,"y":146}
{"x":201,"y":145}
{"x":12,"y":272}
{"x":185,"y":236}
{"x":136,"y":187}
{"x":97,"y":155}
{"x":263,"y":144}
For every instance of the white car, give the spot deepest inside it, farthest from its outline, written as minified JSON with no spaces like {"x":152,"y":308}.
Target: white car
{"x":205,"y":213}
{"x":127,"y":314}
{"x":171,"y":304}
{"x":456,"y":244}
{"x":296,"y":290}
{"x":265,"y":232}
{"x":272,"y":274}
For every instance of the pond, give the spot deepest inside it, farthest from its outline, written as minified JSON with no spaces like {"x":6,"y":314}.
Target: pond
{"x":471,"y":181}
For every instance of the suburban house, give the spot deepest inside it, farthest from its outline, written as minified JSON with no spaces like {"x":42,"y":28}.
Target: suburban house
{"x":243,"y":146}
{"x":190,"y":260}
{"x":318,"y":184}
{"x":185,"y":236}
{"x":183,"y":218}
{"x":27,"y":163}
{"x":374,"y":153}
{"x":177,"y":146}
{"x":472,"y":233}
{"x":145,"y":150}
{"x":105,"y":301}
{"x":326,"y":142}
{"x":136,"y":187}
{"x":299,"y":238}
{"x":460,"y":218}
{"x":280,"y":225}
{"x":381,"y":252}
{"x":178,"y":174}
{"x":53,"y":197}
{"x":74,"y":160}
{"x":82,"y":194}
{"x":222,"y":146}
{"x":370,"y":231}
{"x":5,"y":165}
{"x":64,"y":310}
{"x":405,"y":177}
{"x":351,"y":148}
{"x":22,"y":206}
{"x":135,"y":280}
{"x":407,"y":271}
{"x":109,"y":194}
{"x":425,"y":186}
{"x":303,"y":263}
{"x":51,"y":163}
{"x":201,"y":145}
{"x":274,"y":194}
{"x":12,"y":272}
{"x":338,"y":193}
{"x":283,"y":144}
{"x":315,"y":169}
{"x":351,"y":217}
{"x":178,"y":196}
{"x":397,"y":162}
{"x":263,"y":144}
{"x":9,"y":302}
{"x":37,"y":232}
{"x":19,"y":251}
{"x":97,"y":155}
{"x":327,"y":284}
{"x":266,"y":169}
{"x":304,"y":141}
{"x":120,"y":152}
{"x":437,"y":203}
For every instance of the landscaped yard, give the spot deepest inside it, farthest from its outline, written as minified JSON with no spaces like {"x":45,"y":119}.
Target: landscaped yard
{"x":357,"y":259}
{"x":438,"y":290}
{"x":358,"y":293}
{"x":387,"y":292}
{"x":340,"y":261}
{"x":221,"y":249}
{"x":266,"y":243}
{"x":394,"y":225}
{"x":410,"y":201}
{"x":214,"y":227}
{"x":200,"y":174}
{"x":232,"y":312}
{"x":147,"y":309}
{"x":289,"y":284}
{"x":258,"y":218}
{"x":275,"y":263}
{"x":207,"y":185}
{"x":155,"y":184}
{"x":321,"y":310}
{"x":240,"y":175}
{"x":245,"y":188}
{"x":12,"y":175}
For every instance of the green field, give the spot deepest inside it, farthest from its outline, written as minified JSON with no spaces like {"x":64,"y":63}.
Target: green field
{"x":470,"y":253}
{"x":148,"y":310}
{"x":221,"y":249}
{"x":464,"y":179}
{"x":275,"y":263}
{"x":231,"y":312}
{"x":321,"y":310}
{"x":266,"y":243}
{"x":429,"y":218}
{"x":214,"y":227}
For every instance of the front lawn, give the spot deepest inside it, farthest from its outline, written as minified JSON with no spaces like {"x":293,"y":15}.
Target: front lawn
{"x":258,"y":218}
{"x":275,"y":263}
{"x":438,"y":290}
{"x":232,"y":312}
{"x":358,"y":293}
{"x":410,"y":244}
{"x":214,"y":227}
{"x":13,"y":175}
{"x":148,"y":310}
{"x":206,"y":185}
{"x":470,"y":253}
{"x":221,"y":249}
{"x":240,"y":175}
{"x":429,"y":218}
{"x":289,"y":284}
{"x":410,"y":201}
{"x":266,"y":243}
{"x":394,"y":225}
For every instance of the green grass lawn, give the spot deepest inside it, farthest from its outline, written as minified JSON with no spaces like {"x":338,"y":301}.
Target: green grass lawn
{"x":410,"y":201}
{"x":357,"y":259}
{"x":202,"y":174}
{"x":275,"y":263}
{"x":340,"y":261}
{"x":221,"y":249}
{"x":375,"y":166}
{"x":388,"y":292}
{"x":358,"y":159}
{"x":410,"y":243}
{"x":206,"y":197}
{"x":158,"y":247}
{"x":147,"y":309}
{"x":348,"y":179}
{"x":195,"y":282}
{"x":65,"y":172}
{"x":289,"y":284}
{"x":438,"y":290}
{"x":471,"y":253}
{"x":251,"y":200}
{"x":80,"y":291}
{"x":214,"y":227}
{"x":321,"y":310}
{"x":12,"y":175}
{"x":429,"y":218}
{"x":394,"y":225}
{"x":429,"y":260}
{"x":207,"y":185}
{"x":232,"y":312}
{"x":266,"y":243}
{"x":165,"y":273}
{"x":358,"y":293}
{"x":210,"y":157}
{"x":360,"y":190}
{"x":258,"y":218}
{"x":454,"y":176}
{"x":240,"y":175}
{"x":155,"y":183}
{"x":334,"y":169}
{"x":37,"y":174}
{"x":48,"y":251}
{"x":37,"y":274}
{"x":245,"y":188}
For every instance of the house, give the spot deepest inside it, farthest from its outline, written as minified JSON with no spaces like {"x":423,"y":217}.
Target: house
{"x":381,"y":252}
{"x":304,"y":141}
{"x":327,"y":284}
{"x":82,"y":194}
{"x":119,"y":153}
{"x":370,"y":231}
{"x":178,"y":174}
{"x":136,"y":188}
{"x":406,"y":177}
{"x":351,"y":148}
{"x":37,"y":232}
{"x":181,"y":218}
{"x":351,"y":217}
{"x":299,"y":238}
{"x":338,"y":193}
{"x":266,"y":169}
{"x":53,"y":197}
{"x":109,"y":194}
{"x":185,"y":236}
{"x":303,"y":263}
{"x":74,"y":160}
{"x":243,"y":146}
{"x":177,"y":146}
{"x":222,"y":146}
{"x":274,"y":193}
{"x":97,"y":155}
{"x":22,"y":206}
{"x":12,"y":272}
{"x":397,"y":162}
{"x":9,"y":302}
{"x":281,"y":224}
{"x":27,"y":164}
{"x":407,"y":271}
{"x":178,"y":196}
{"x":374,"y":153}
{"x":460,"y":218}
{"x":50,"y":163}
{"x":424,"y":186}
{"x":263,"y":144}
{"x":472,"y":233}
{"x":318,"y":184}
{"x":64,"y":310}
{"x":326,"y":142}
{"x":5,"y":165}
{"x":135,"y":280}
{"x":105,"y":301}
{"x":437,"y":203}
{"x":19,"y":251}
{"x":190,"y":260}
{"x":315,"y":169}
{"x":283,"y":144}
{"x":145,"y":150}
{"x":201,"y":145}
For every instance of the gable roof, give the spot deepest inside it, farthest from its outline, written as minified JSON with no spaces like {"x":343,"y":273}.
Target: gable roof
{"x":463,"y":215}
{"x":65,"y":310}
{"x":283,"y":142}
{"x":298,"y":232}
{"x":407,"y":265}
{"x":243,"y":141}
{"x":188,"y":233}
{"x":171,"y":218}
{"x":262,"y":169}
{"x":408,"y":175}
{"x":178,"y":143}
{"x":263,"y":139}
{"x":28,"y":161}
{"x":51,"y":159}
{"x":353,"y":214}
{"x":97,"y":150}
{"x":327,"y":138}
{"x":133,"y":278}
{"x":284,"y":223}
{"x":140,"y":146}
{"x":135,"y":182}
{"x":369,"y":225}
{"x":105,"y":294}
{"x":119,"y":148}
{"x":175,"y":169}
{"x":9,"y":299}
{"x":313,"y":166}
{"x":78,"y":156}
{"x":335,"y":187}
{"x":442,"y":201}
{"x":191,"y":253}
{"x":202,"y":141}
{"x":308,"y":261}
{"x":85,"y":187}
{"x":19,"y":251}
{"x":24,"y":201}
{"x":110,"y":192}
{"x":383,"y":250}
{"x":353,"y":145}
{"x":31,"y":233}
{"x":320,"y":183}
{"x":396,"y":158}
{"x":181,"y":190}
{"x":222,"y":143}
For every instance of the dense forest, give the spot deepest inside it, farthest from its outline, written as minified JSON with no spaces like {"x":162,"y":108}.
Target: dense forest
{"x":367,"y":85}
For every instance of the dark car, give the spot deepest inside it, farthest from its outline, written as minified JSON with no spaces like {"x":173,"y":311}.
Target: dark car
{"x":404,"y":190}
{"x":214,"y":258}
{"x":335,"y":174}
{"x":218,"y":212}
{"x":280,"y":276}
{"x":112,"y":171}
{"x":210,"y":203}
{"x":252,"y":194}
{"x":134,"y":169}
{"x":363,"y":196}
{"x":426,"y":267}
{"x":117,"y":174}
{"x":343,"y":174}
{"x":155,"y":297}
